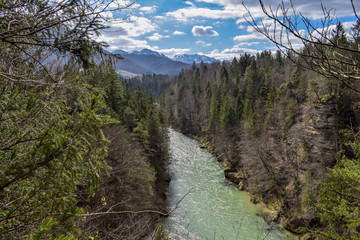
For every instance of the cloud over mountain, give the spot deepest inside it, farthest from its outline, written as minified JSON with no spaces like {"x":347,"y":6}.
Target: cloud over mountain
{"x":215,"y":28}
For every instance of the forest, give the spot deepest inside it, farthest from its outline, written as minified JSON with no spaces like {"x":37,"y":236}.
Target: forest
{"x":84,"y":153}
{"x":287,"y":135}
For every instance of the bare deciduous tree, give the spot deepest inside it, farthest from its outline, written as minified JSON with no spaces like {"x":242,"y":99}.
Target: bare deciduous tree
{"x":33,"y":31}
{"x":323,"y":50}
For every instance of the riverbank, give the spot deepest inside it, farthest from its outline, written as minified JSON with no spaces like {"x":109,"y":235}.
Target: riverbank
{"x":213,"y":207}
{"x":270,"y":211}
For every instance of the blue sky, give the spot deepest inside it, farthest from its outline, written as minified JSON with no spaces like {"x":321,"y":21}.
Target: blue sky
{"x":215,"y":28}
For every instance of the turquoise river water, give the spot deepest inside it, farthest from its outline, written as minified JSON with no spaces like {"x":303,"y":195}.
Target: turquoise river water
{"x":212,"y":209}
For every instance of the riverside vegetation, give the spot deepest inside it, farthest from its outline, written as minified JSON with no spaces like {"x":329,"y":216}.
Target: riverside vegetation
{"x":287,"y":135}
{"x":82,"y":156}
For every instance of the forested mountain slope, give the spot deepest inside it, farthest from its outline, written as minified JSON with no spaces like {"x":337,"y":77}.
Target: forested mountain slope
{"x":137,"y":155}
{"x":283,"y":133}
{"x":80,"y":153}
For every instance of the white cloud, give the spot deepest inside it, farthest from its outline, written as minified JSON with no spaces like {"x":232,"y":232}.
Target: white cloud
{"x":134,"y":27}
{"x":171,"y":52}
{"x":247,"y":37}
{"x":127,"y":34}
{"x":230,"y":53}
{"x":149,"y":9}
{"x":203,"y":43}
{"x":123,"y":34}
{"x":157,"y":37}
{"x":200,"y":31}
{"x":189,"y":3}
{"x":218,"y":23}
{"x":125,"y":43}
{"x":309,"y":8}
{"x":185,"y":14}
{"x":160,"y":17}
{"x":240,"y":21}
{"x":229,"y":9}
{"x":246,"y":44}
{"x":233,"y":9}
{"x":178,"y":33}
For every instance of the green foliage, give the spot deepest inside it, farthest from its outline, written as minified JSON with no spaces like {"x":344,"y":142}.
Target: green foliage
{"x":49,"y":145}
{"x":160,"y":232}
{"x":309,"y":196}
{"x":129,"y":186}
{"x":255,"y":124}
{"x":320,"y":89}
{"x":271,"y":97}
{"x":291,"y":111}
{"x":245,"y":61}
{"x":254,"y":80}
{"x":214,"y":106}
{"x":104,"y":76}
{"x":224,"y":114}
{"x":339,"y":198}
{"x":68,"y":29}
{"x":278,"y":59}
{"x":137,"y":156}
{"x":158,"y":150}
{"x":53,"y":152}
{"x":47,"y":225}
{"x":301,"y":92}
{"x":264,"y":96}
{"x":152,"y":84}
{"x":247,"y":109}
{"x":344,"y":111}
{"x":129,"y":118}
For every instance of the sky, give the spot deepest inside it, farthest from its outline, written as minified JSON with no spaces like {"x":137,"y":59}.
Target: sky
{"x":216,"y":28}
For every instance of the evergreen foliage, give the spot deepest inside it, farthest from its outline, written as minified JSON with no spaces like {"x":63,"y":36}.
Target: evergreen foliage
{"x":57,"y":165}
{"x":270,"y":121}
{"x":50,"y":144}
{"x":339,"y":203}
{"x":138,"y":155}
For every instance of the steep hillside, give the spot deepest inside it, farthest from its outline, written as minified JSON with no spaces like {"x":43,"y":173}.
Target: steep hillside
{"x":128,"y":65}
{"x":137,"y":156}
{"x":274,"y":126}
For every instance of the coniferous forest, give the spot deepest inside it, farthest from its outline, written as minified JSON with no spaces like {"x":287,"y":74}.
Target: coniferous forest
{"x":84,"y":153}
{"x":76,"y":144}
{"x":285,"y":134}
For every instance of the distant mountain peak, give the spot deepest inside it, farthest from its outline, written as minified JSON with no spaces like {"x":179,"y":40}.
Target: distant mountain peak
{"x":189,"y":59}
{"x":145,"y":52}
{"x":148,"y":52}
{"x":119,"y":51}
{"x":147,"y":61}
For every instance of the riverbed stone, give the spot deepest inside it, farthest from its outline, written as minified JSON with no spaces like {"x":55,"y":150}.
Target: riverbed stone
{"x":235,"y":177}
{"x":241,"y":185}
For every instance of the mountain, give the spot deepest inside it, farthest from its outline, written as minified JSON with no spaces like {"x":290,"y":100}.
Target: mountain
{"x":149,"y":52}
{"x":189,"y":59}
{"x":147,"y":61}
{"x":118,"y":52}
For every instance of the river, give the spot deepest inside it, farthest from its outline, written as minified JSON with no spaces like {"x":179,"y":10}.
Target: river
{"x":212,"y":208}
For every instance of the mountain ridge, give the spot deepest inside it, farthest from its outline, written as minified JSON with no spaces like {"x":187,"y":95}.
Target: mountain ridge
{"x":197,"y":58}
{"x":148,"y":61}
